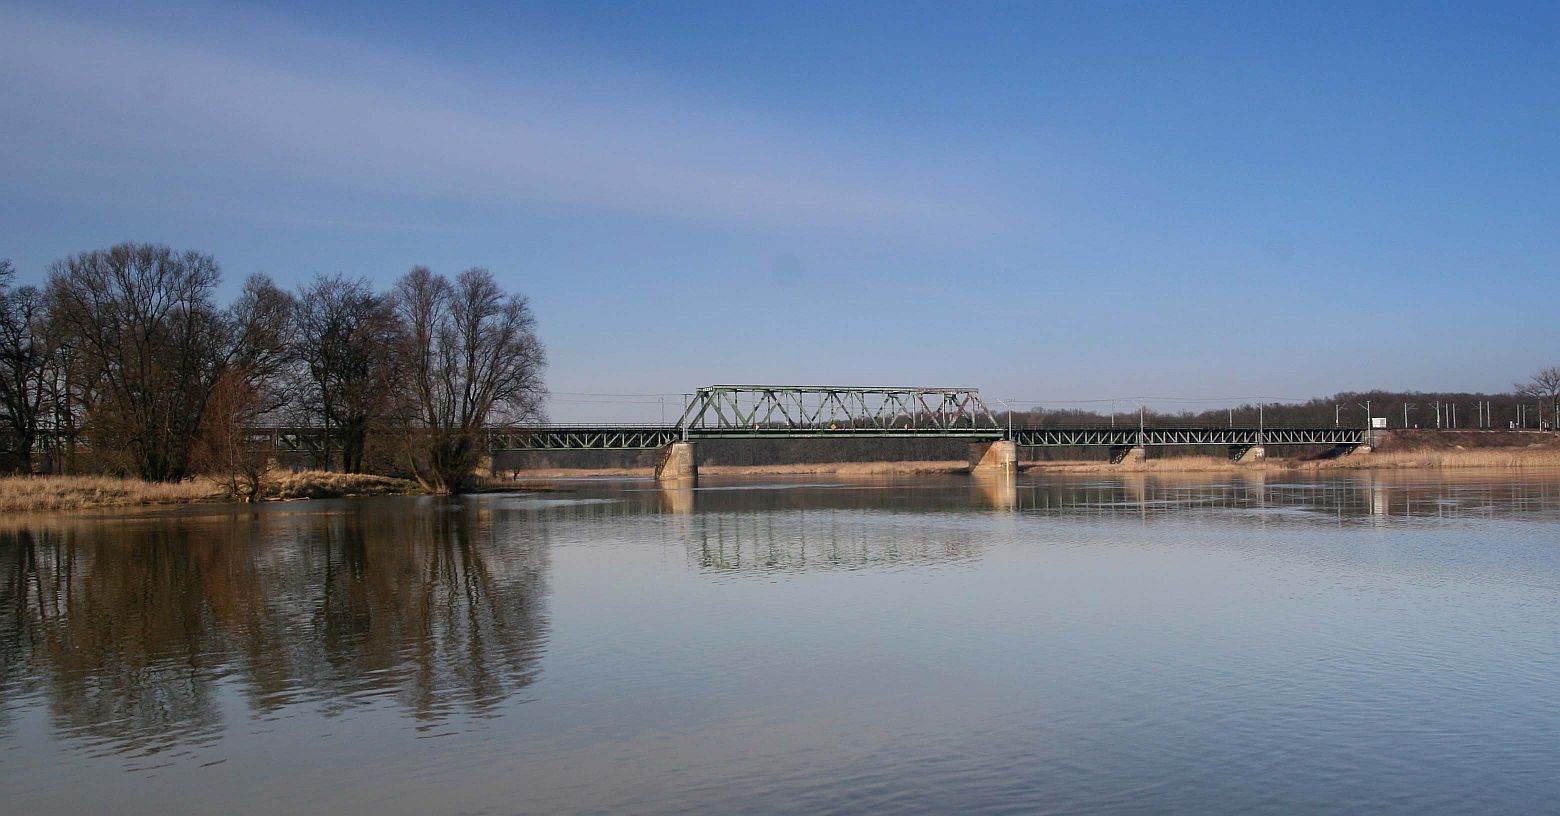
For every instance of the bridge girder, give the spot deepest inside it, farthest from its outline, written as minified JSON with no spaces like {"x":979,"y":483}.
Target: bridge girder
{"x":821,"y":407}
{"x":848,"y":412}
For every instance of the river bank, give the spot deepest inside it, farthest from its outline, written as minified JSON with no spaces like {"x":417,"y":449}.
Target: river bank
{"x":1378,"y":460}
{"x":51,"y":493}
{"x":1395,"y":450}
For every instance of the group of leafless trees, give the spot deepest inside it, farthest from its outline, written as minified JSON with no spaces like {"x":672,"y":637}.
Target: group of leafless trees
{"x":124,"y":361}
{"x":1533,"y":404}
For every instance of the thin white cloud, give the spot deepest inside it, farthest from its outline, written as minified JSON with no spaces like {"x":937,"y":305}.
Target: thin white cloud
{"x":97,"y":104}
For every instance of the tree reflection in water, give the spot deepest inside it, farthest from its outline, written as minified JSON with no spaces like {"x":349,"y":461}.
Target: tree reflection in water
{"x":133,"y":629}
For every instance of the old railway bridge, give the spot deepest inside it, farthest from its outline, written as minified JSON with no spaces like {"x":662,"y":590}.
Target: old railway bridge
{"x":830,"y":412}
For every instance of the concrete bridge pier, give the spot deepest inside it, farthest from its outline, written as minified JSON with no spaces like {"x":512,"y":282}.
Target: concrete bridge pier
{"x":1128,"y":454}
{"x":999,"y":457}
{"x":1247,"y":453}
{"x":678,"y":465}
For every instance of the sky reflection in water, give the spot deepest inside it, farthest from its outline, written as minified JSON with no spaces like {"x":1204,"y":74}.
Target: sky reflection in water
{"x":922,"y":644}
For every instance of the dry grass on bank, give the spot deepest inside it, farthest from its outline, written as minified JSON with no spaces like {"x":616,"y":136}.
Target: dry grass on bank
{"x":34,"y":494}
{"x":1437,"y":459}
{"x":1486,"y":458}
{"x":322,"y":484}
{"x":798,"y":469}
{"x":1169,"y":464}
{"x":42,"y":493}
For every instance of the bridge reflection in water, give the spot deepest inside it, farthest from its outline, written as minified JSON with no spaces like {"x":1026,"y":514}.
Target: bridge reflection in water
{"x":1383,"y":494}
{"x":139,"y":630}
{"x":826,"y":523}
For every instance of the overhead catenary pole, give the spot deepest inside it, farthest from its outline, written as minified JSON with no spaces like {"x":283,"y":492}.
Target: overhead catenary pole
{"x":1009,"y":410}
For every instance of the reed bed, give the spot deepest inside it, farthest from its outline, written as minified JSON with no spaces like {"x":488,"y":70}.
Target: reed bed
{"x":1436,"y":459}
{"x":36,"y":494}
{"x":323,"y":484}
{"x":43,"y":493}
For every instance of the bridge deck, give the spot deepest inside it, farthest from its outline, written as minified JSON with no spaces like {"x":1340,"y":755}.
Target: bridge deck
{"x":650,"y":437}
{"x":632,"y":438}
{"x":1161,"y":437}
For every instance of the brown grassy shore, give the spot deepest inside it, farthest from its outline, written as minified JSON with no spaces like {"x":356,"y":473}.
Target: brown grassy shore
{"x":794,"y":469}
{"x":19,"y":494}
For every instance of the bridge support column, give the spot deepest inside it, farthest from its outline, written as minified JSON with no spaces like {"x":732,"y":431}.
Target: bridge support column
{"x":484,"y":467}
{"x":1247,"y":453}
{"x":1128,"y":454}
{"x":678,"y":465}
{"x":1000,"y":456}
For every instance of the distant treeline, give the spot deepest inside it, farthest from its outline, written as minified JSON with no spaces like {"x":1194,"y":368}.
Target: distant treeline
{"x":123,"y":361}
{"x":1532,"y":404}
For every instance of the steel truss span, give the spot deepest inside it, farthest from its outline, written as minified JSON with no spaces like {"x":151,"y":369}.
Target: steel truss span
{"x":580,"y":437}
{"x":841,"y":412}
{"x":1160,"y":437}
{"x":834,"y":408}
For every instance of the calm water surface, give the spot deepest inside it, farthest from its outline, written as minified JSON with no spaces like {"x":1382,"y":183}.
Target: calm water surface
{"x":1098,"y":645}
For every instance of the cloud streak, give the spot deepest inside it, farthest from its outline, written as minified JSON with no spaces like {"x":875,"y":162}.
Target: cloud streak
{"x":99,"y":104}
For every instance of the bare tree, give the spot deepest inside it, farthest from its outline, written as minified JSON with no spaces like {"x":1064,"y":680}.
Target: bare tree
{"x":154,"y":346}
{"x":252,"y":386}
{"x":24,"y":356}
{"x":1544,"y":385}
{"x":348,"y":339}
{"x":64,"y":398}
{"x":472,"y":357}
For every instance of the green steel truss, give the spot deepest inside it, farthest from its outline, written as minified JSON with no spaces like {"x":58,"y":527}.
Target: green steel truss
{"x":841,"y":412}
{"x":821,"y":410}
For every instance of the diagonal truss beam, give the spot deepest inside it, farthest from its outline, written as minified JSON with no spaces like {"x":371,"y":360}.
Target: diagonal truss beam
{"x":818,"y":408}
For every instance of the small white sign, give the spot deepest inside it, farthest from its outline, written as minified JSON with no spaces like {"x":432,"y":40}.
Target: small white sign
{"x":1378,"y":422}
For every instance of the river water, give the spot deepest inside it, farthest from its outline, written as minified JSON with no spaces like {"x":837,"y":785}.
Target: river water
{"x":1193,"y":644}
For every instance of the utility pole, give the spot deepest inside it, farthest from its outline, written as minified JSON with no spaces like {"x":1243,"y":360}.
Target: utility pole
{"x":1009,"y":410}
{"x":1406,"y":406}
{"x":1337,"y":415}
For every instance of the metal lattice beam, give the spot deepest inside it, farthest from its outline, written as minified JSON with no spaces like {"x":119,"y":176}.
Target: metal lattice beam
{"x":1167,"y":437}
{"x":807,"y":410}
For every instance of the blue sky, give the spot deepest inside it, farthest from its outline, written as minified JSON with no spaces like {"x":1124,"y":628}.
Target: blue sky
{"x":1048,"y":201}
